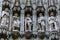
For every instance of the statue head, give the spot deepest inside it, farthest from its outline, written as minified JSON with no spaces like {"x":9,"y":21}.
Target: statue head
{"x":28,"y":15}
{"x":15,"y":14}
{"x":6,"y":9}
{"x":40,"y":14}
{"x":52,"y":14}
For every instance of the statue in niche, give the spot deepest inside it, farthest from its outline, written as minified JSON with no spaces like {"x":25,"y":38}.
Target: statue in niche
{"x":41,"y":22}
{"x":28,"y":22}
{"x":16,"y":22}
{"x":52,"y":22}
{"x":5,"y":19}
{"x":16,"y":16}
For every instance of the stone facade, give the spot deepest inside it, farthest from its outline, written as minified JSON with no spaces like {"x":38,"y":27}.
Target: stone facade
{"x":30,"y":19}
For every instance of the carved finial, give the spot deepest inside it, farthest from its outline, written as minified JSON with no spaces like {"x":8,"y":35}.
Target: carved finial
{"x":28,"y":2}
{"x":40,"y":3}
{"x":17,"y":3}
{"x":50,"y":2}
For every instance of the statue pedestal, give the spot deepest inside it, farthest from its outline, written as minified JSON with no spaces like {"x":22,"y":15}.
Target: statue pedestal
{"x":28,"y":35}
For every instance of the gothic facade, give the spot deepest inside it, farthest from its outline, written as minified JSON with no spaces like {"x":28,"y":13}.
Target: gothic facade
{"x":30,"y":19}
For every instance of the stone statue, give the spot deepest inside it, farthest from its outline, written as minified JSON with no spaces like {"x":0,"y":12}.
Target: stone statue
{"x":41,"y":22}
{"x":16,"y":22}
{"x":5,"y":20}
{"x":52,"y":22}
{"x":28,"y":22}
